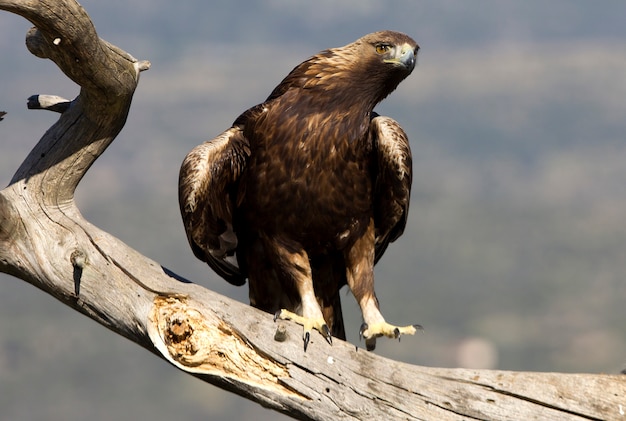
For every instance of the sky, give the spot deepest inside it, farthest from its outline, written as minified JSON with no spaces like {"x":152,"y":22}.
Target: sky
{"x":515,"y":250}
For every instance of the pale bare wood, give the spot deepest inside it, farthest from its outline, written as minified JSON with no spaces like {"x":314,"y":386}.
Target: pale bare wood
{"x":45,"y":241}
{"x":48,"y":102}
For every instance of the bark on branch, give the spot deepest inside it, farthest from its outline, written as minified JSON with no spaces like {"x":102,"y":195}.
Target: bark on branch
{"x":45,"y":241}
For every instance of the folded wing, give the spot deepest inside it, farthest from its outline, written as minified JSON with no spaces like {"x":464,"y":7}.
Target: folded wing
{"x":393,"y":181}
{"x":207,"y":192}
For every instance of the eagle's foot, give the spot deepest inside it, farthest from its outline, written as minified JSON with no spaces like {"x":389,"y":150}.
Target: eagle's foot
{"x":373,"y":331}
{"x":309,"y":324}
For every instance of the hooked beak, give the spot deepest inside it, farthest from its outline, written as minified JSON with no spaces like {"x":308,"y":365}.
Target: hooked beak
{"x":404,"y":56}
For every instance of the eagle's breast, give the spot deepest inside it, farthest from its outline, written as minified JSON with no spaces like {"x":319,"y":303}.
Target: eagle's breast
{"x":309,"y":176}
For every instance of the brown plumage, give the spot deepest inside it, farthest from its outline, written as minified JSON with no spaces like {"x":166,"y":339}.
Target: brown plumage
{"x":305,"y":191}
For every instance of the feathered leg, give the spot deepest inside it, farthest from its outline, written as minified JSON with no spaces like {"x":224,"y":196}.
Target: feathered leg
{"x":292,"y":263}
{"x":360,"y":276}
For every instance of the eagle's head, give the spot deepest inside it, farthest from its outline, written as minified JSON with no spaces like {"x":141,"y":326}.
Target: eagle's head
{"x":363,"y":72}
{"x":385,"y":52}
{"x":386,"y":58}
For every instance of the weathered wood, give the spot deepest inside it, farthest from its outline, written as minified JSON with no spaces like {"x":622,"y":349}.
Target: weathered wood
{"x":45,"y":241}
{"x":48,"y":102}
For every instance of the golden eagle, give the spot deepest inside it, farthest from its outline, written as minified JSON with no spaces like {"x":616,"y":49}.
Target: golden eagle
{"x":303,"y":193}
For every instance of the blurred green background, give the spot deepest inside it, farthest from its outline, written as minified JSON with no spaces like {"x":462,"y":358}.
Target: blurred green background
{"x":515,"y":252}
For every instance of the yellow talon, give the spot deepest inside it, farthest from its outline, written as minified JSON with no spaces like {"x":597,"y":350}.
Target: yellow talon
{"x":373,"y":331}
{"x":308,"y":324}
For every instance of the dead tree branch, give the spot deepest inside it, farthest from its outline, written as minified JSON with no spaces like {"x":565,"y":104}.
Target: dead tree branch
{"x":45,"y":241}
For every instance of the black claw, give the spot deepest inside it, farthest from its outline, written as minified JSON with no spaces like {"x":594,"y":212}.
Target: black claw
{"x":307,"y":338}
{"x":276,"y":316}
{"x":363,"y":328}
{"x":396,"y":333}
{"x":327,"y":335}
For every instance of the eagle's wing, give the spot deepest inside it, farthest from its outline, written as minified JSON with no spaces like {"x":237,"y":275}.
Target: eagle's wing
{"x":206,"y":193}
{"x":393,"y":180}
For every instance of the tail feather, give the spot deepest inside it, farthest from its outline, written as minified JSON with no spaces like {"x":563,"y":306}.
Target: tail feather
{"x":334,"y":317}
{"x":329,"y":274}
{"x":270,"y":292}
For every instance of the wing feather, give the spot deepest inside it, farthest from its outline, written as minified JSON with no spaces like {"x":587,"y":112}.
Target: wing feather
{"x":393,"y":181}
{"x":207,"y":190}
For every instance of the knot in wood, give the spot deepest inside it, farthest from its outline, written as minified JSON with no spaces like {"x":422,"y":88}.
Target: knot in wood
{"x":78,"y":259}
{"x":195,"y":339}
{"x":281,"y":333}
{"x":179,"y":329}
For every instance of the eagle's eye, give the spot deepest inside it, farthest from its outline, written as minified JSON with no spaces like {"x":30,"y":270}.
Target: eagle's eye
{"x":382,"y":48}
